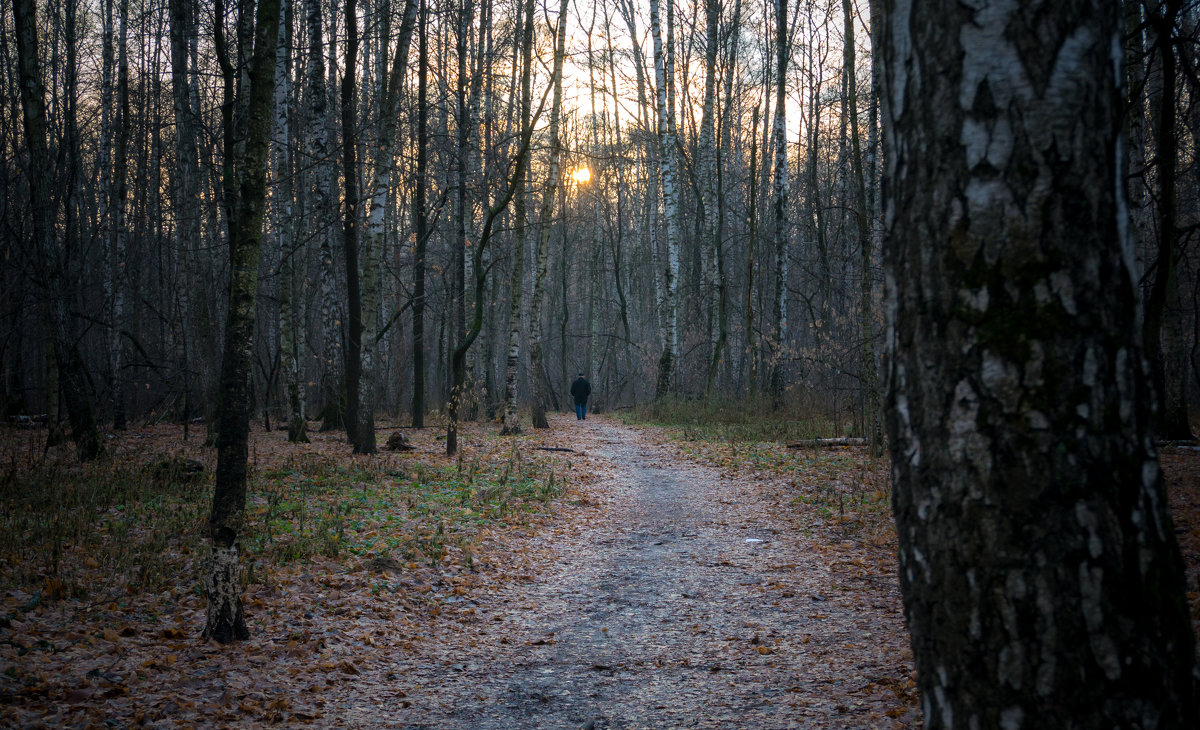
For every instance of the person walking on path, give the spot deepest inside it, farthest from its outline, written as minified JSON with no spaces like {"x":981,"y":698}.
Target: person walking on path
{"x":580,"y":390}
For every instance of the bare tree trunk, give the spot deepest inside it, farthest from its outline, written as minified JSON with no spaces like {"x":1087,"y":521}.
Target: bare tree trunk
{"x":373,"y":238}
{"x":226,"y":619}
{"x":512,"y":418}
{"x":186,"y":180}
{"x":751,"y":245}
{"x":324,"y":213}
{"x":870,"y":378}
{"x":420,"y":224}
{"x":708,"y":190}
{"x":291,"y":306}
{"x":539,"y":376}
{"x":1163,"y":330}
{"x":668,"y":145}
{"x":1042,"y":583}
{"x":780,"y":205}
{"x":66,"y":352}
{"x":118,"y":235}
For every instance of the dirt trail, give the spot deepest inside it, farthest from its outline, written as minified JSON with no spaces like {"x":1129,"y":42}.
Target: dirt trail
{"x":682,"y":602}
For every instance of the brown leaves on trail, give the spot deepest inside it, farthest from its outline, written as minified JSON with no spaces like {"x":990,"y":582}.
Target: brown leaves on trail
{"x":351,"y":562}
{"x":407,"y":587}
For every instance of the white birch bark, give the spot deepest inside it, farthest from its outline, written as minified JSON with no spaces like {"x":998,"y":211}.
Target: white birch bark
{"x":547,"y":216}
{"x":379,"y":202}
{"x":708,"y":186}
{"x":291,"y":316}
{"x":324,"y":214}
{"x":669,"y":301}
{"x":512,"y":416}
{"x":780,"y":193}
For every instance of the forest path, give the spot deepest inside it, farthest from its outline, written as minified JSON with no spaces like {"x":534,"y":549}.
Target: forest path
{"x":682,"y":602}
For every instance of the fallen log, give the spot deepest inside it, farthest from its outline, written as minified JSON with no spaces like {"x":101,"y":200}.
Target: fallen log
{"x":555,"y":448}
{"x":819,"y":443}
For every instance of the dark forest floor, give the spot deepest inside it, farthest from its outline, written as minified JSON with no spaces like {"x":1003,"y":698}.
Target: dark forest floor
{"x":645,"y":580}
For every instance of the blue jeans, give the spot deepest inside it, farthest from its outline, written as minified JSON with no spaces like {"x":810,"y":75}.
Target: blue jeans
{"x":580,"y":411}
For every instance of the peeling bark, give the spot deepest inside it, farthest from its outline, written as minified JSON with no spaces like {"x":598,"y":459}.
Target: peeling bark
{"x":1042,"y":583}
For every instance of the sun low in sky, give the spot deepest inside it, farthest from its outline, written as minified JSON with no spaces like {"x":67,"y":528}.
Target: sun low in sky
{"x":581,"y":174}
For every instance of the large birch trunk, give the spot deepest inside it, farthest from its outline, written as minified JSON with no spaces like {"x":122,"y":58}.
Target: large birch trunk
{"x":1042,"y":583}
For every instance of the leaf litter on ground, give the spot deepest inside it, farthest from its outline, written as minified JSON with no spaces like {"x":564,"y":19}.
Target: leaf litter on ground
{"x":371,"y":581}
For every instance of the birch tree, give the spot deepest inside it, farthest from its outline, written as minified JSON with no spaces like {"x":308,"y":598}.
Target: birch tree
{"x":863,"y":229}
{"x":1041,"y":579}
{"x":779,"y":186}
{"x":512,"y":418}
{"x":226,"y":618}
{"x":420,"y":222}
{"x":668,"y":164}
{"x":48,"y":252}
{"x":324,"y":215}
{"x":539,"y":376}
{"x":372,"y":239}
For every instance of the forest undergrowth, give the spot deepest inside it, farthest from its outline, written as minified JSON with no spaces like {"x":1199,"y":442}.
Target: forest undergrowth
{"x":846,"y":492}
{"x":352,"y":561}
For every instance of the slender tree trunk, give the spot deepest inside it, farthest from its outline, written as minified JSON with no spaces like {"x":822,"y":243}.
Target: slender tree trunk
{"x":324,"y":213}
{"x":118,"y":236}
{"x":1042,"y":583}
{"x":226,"y":619}
{"x":751,"y":245}
{"x":870,"y":378}
{"x":420,"y":223}
{"x":540,"y":376}
{"x":185,"y":190}
{"x":780,"y":205}
{"x":353,"y":366}
{"x":291,"y":306}
{"x":66,"y":352}
{"x":708,"y":189}
{"x":664,"y":74}
{"x":1163,"y":330}
{"x":373,"y":234}
{"x":512,"y":418}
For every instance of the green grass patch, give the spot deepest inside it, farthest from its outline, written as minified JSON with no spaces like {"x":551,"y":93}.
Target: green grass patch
{"x":733,"y":421}
{"x":74,"y":531}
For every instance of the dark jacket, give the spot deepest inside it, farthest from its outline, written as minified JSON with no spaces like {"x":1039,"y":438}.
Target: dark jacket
{"x":580,"y":390}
